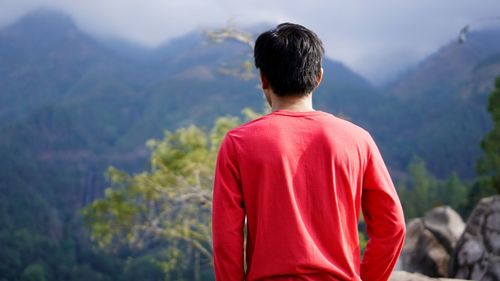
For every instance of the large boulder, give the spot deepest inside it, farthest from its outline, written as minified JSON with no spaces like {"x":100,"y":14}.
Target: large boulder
{"x":430,"y":241}
{"x":477,"y":254}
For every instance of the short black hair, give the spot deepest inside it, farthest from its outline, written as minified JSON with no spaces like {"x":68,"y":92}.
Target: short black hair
{"x":290,"y":57}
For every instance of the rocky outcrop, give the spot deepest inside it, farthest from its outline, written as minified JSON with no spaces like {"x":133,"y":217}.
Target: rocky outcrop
{"x":430,"y":242}
{"x":406,"y":276}
{"x":477,"y":254}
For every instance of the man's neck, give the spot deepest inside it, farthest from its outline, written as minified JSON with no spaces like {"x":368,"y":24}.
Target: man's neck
{"x":299,"y":104}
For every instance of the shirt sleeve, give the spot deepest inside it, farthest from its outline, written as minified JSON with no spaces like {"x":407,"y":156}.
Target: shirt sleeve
{"x":384,"y":219}
{"x":228,"y":216}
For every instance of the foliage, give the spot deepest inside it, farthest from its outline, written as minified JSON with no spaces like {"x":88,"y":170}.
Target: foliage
{"x":34,"y":272}
{"x":168,"y":205}
{"x":245,"y":70}
{"x":38,"y":240}
{"x":488,"y":166}
{"x":421,"y":191}
{"x":362,"y":242}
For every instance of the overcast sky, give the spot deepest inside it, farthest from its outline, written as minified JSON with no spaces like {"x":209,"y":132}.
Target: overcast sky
{"x":375,"y":38}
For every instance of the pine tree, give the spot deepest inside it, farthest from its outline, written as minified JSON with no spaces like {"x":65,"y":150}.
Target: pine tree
{"x":418,"y":192}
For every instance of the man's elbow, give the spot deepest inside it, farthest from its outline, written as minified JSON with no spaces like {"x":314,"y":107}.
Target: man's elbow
{"x":395,"y":229}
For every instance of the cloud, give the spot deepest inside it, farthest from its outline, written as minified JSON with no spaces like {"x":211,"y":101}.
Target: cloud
{"x":376,"y":38}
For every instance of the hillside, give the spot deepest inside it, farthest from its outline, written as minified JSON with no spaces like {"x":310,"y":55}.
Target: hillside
{"x":443,"y":104}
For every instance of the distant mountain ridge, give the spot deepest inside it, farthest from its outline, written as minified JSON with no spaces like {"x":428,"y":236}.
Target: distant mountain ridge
{"x":453,"y":65}
{"x":447,"y":94}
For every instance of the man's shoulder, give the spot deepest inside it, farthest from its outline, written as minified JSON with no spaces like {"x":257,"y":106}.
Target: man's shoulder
{"x":343,"y":126}
{"x":327,"y":121}
{"x":352,"y":127}
{"x":249,"y":126}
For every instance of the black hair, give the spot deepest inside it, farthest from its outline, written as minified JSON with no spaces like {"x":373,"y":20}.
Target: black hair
{"x":290,"y":57}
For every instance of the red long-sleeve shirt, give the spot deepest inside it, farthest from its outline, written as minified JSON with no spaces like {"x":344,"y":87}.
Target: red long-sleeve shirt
{"x":301,"y":178}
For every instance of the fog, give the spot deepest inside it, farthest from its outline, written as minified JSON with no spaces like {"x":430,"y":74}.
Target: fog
{"x":378,"y":39}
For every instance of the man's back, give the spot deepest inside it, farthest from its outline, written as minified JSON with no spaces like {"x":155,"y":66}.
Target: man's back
{"x":301,"y":179}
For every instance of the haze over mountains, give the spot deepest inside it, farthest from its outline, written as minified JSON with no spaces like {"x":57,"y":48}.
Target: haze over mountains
{"x":71,"y":105}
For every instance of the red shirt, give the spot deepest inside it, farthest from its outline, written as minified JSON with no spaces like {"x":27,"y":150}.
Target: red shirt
{"x":301,"y":178}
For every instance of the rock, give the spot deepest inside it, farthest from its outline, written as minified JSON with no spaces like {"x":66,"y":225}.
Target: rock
{"x":446,"y":225}
{"x":430,"y":241}
{"x":406,"y":276}
{"x":477,"y":254}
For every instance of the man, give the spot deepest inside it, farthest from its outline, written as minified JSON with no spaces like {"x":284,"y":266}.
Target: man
{"x":301,"y":176}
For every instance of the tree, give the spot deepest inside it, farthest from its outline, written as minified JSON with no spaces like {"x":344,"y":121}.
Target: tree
{"x":169,"y":205}
{"x":34,"y":272}
{"x":422,"y":191}
{"x":488,"y":166}
{"x":245,"y":71}
{"x":453,"y":193}
{"x":418,"y":192}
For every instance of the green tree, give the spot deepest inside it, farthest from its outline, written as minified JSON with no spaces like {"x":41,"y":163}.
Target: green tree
{"x":488,"y":166}
{"x":34,"y":272}
{"x":422,"y":191}
{"x":453,"y":192}
{"x":418,"y":192}
{"x":244,"y":70}
{"x":167,"y":205}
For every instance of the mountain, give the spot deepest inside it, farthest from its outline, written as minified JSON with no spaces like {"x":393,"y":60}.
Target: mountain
{"x":136,"y":93}
{"x":443,"y":101}
{"x":44,"y":60}
{"x":454,"y":65}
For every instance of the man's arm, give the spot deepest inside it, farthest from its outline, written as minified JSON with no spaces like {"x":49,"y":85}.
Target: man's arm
{"x":384,"y":219}
{"x":228,"y":216}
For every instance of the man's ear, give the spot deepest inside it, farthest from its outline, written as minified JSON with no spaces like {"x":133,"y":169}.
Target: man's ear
{"x":319,"y":78}
{"x":264,"y":81}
